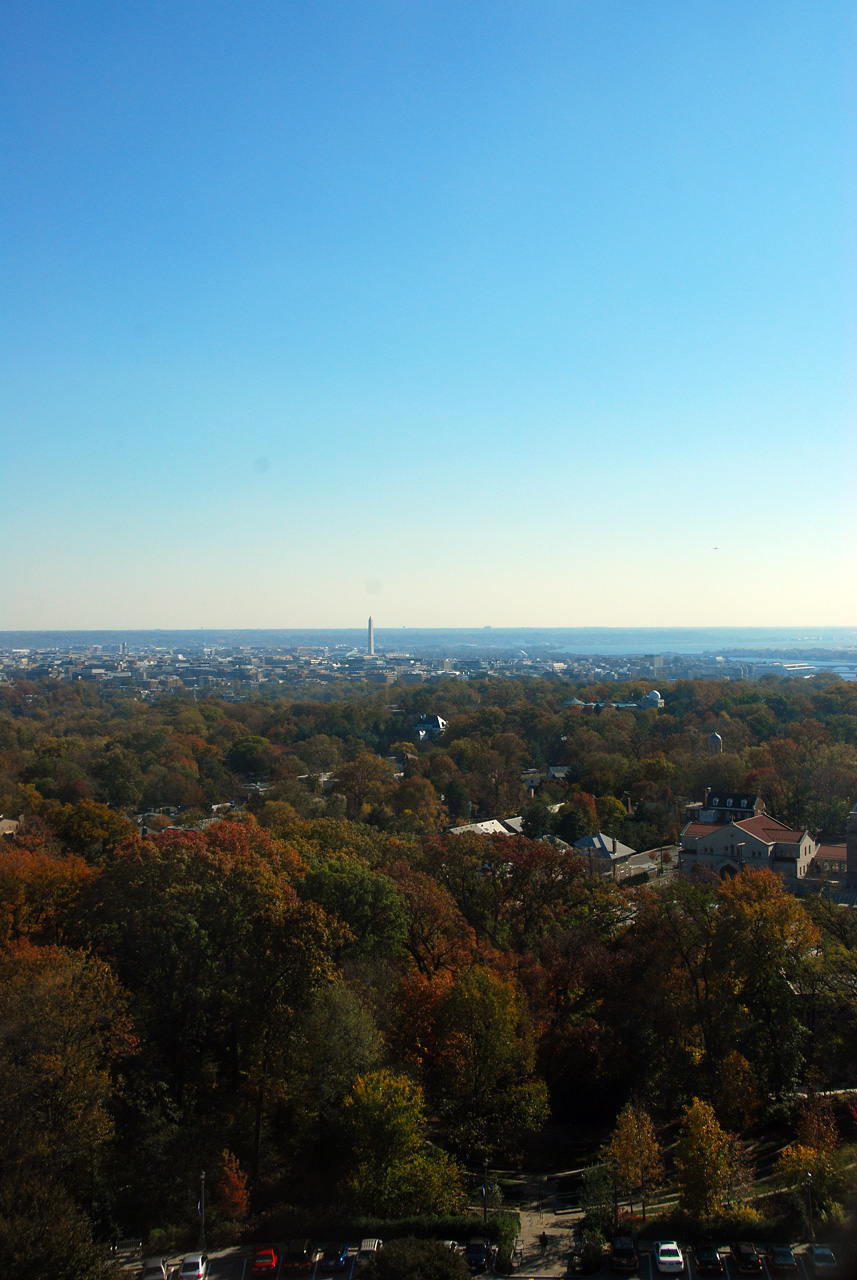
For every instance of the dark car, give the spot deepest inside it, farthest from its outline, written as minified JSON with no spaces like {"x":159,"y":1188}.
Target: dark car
{"x":708,"y":1260}
{"x":335,"y":1257}
{"x":478,"y":1254}
{"x":822,"y":1262}
{"x":746,"y":1257}
{"x":299,"y":1256}
{"x":623,"y":1255}
{"x":781,"y":1260}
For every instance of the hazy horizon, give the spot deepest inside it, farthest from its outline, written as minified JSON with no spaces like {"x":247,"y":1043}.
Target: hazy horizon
{"x":580,"y":640}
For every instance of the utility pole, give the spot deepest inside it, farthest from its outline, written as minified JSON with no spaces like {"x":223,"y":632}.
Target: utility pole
{"x":484,"y":1189}
{"x":202,"y":1212}
{"x":809,"y":1198}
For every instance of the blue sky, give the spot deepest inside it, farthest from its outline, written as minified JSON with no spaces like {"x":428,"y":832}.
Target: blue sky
{"x":463,"y":313}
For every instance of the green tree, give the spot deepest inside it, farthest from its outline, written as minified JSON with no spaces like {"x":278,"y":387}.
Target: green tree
{"x":701,"y":1161}
{"x":366,"y":901}
{"x":119,"y":776}
{"x":410,"y":1259}
{"x":484,"y":1080}
{"x":393,"y":1170}
{"x":43,"y":1233}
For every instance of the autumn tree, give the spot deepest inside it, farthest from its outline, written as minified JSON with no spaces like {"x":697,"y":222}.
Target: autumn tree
{"x":40,"y":895}
{"x":231,"y":1197}
{"x":87,"y":828}
{"x":63,"y":1025}
{"x":635,"y":1154}
{"x":737,"y":1099}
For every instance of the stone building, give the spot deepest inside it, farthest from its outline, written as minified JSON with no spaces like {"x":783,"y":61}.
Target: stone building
{"x":728,"y":831}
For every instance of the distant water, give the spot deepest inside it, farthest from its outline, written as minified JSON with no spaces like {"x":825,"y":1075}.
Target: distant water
{"x":463,"y":642}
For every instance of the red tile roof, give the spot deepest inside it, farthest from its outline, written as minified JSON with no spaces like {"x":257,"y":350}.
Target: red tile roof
{"x":764,"y":827}
{"x":694,"y":829}
{"x":837,"y":851}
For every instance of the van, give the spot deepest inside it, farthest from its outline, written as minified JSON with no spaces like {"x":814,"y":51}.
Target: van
{"x":367,"y":1251}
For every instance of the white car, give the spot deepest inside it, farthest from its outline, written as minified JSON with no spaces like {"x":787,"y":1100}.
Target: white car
{"x":154,"y":1269}
{"x":194,"y":1267}
{"x":669,"y":1258}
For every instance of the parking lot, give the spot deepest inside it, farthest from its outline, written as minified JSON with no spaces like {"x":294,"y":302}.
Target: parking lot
{"x":648,"y":1271}
{"x":236,"y":1264}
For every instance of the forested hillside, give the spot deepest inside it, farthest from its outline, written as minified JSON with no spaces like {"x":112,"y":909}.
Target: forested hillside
{"x":325,"y":1000}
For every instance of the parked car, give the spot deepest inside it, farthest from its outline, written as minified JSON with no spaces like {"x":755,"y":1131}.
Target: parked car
{"x":822,"y":1261}
{"x":478,"y":1253}
{"x":746,"y":1257}
{"x":623,"y":1255}
{"x":265,"y":1261}
{"x":708,"y":1260}
{"x":335,"y":1257}
{"x":669,"y":1258}
{"x":154,"y":1269}
{"x":366,"y":1252}
{"x":194,"y":1267}
{"x":299,"y":1256}
{"x":781,"y":1260}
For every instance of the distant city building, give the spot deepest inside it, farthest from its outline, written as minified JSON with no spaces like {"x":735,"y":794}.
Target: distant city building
{"x":651,"y":702}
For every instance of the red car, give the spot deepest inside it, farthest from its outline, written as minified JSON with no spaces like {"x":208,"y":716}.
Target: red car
{"x":265,"y":1261}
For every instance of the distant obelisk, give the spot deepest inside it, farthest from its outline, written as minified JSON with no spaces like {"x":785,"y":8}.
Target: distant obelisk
{"x":370,"y":648}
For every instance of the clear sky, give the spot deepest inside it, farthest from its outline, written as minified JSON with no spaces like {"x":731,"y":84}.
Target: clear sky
{"x":456,"y":313}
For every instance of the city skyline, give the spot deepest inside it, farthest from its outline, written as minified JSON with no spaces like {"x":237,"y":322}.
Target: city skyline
{"x":455,"y":315}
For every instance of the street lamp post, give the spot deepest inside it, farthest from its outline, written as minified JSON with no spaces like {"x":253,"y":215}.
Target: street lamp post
{"x":202,"y":1212}
{"x":809,"y":1199}
{"x":484,"y":1189}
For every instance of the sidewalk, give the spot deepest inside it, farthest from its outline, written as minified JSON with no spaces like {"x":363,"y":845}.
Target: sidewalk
{"x":541,"y":1211}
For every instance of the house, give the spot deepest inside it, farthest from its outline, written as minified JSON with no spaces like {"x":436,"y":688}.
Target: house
{"x":490,"y":827}
{"x":429,"y":726}
{"x":729,"y":831}
{"x":603,"y":853}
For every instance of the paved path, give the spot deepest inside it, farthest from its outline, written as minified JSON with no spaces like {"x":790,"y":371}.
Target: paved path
{"x":540,"y":1211}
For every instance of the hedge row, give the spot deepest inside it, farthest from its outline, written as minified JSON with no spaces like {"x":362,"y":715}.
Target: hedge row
{"x":284,"y":1224}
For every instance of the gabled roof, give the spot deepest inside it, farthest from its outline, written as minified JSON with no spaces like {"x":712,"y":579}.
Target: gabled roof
{"x":603,"y":846}
{"x":762,"y":826}
{"x":771,"y":830}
